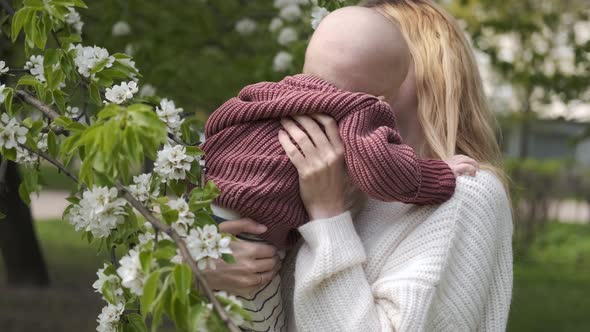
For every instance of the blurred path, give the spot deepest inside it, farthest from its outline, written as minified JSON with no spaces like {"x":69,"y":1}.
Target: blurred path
{"x":51,"y":204}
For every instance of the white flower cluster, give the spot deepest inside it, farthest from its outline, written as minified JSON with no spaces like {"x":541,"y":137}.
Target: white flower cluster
{"x":282,"y":61}
{"x":87,"y":57}
{"x":287,"y":36}
{"x":169,"y":114}
{"x":173,"y":163}
{"x":317,"y":15}
{"x":3,"y":68}
{"x":140,"y":189}
{"x":103,"y":278}
{"x":205,"y":245}
{"x":118,"y":94}
{"x":185,"y":216}
{"x":72,"y":112}
{"x":131,"y":273}
{"x":74,"y":21}
{"x":109,"y":317}
{"x":236,"y":317}
{"x":121,"y":28}
{"x":147,"y":90}
{"x":11,"y":132}
{"x":246,"y":26}
{"x":35,"y":67}
{"x":99,"y":211}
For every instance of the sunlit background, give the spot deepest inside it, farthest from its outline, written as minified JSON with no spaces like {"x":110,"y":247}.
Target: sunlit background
{"x":534,"y":56}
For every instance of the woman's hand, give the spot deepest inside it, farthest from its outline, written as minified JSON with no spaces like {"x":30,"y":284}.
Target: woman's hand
{"x":321,"y":168}
{"x":256,"y":263}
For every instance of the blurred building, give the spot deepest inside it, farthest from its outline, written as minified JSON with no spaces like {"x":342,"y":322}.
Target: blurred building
{"x":549,"y":139}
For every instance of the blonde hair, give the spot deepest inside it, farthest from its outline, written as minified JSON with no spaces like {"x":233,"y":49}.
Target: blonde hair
{"x":452,"y":107}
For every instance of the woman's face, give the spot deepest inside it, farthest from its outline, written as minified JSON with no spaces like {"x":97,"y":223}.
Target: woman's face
{"x":406,"y":101}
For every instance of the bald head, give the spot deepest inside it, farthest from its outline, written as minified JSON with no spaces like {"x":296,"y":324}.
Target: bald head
{"x":357,"y":49}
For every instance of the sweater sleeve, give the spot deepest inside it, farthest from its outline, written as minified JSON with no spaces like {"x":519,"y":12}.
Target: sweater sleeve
{"x":448,"y":274}
{"x":385,"y":168}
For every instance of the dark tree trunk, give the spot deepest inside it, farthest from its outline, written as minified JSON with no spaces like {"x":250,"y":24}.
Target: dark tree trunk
{"x":24,"y":264}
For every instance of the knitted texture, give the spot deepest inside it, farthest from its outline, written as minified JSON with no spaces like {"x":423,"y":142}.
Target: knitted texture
{"x":257,"y":179}
{"x":405,"y":268}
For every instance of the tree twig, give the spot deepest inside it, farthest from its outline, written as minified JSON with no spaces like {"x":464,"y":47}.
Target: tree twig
{"x":29,"y":99}
{"x":201,"y":282}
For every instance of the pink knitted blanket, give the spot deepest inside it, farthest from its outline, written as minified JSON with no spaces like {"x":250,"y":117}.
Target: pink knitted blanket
{"x":245,"y":159}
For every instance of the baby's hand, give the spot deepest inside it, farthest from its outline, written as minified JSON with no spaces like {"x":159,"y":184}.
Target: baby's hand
{"x":462,"y":165}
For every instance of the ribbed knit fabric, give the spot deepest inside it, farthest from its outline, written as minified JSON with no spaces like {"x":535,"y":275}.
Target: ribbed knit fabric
{"x":406,"y":268}
{"x":257,"y":179}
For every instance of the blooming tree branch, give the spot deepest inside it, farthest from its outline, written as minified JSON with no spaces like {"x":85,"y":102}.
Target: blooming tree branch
{"x":200,"y":281}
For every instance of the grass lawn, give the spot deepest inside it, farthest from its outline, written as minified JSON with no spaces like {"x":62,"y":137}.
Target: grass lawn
{"x":552,"y":285}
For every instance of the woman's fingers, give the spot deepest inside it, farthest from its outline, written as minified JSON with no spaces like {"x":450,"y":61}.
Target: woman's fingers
{"x":300,"y":137}
{"x":465,"y":169}
{"x":245,"y":225}
{"x":291,"y":150}
{"x":267,"y":264}
{"x":331,"y":128}
{"x":314,"y":131}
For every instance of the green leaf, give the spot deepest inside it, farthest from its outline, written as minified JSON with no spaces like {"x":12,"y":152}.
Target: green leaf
{"x":230,"y":259}
{"x":8,"y":100}
{"x":145,"y":258}
{"x":28,"y":80}
{"x":18,"y":21}
{"x":150,"y":289}
{"x":24,"y":193}
{"x":53,"y":149}
{"x":182,"y":281}
{"x":94,"y":92}
{"x":134,"y":323}
{"x":2,"y":215}
{"x":179,"y":313}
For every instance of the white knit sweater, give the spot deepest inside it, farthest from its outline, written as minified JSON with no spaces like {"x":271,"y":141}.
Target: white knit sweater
{"x":406,"y":268}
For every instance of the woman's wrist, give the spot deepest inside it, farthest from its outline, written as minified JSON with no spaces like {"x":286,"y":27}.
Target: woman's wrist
{"x":325,"y":212}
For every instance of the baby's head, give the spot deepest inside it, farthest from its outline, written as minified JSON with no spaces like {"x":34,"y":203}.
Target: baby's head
{"x":357,"y":49}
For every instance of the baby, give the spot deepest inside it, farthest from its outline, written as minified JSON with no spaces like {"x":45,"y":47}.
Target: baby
{"x":355,"y":64}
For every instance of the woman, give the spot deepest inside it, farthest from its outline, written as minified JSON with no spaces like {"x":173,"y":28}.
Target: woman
{"x":397,"y":267}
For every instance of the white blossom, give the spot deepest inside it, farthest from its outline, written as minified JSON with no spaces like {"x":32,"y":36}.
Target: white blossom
{"x":283,"y":3}
{"x":206,"y":245}
{"x":118,"y":94}
{"x":170,"y":115}
{"x":290,"y":12}
{"x":11,"y":132}
{"x":275,"y":24}
{"x":103,"y":278}
{"x":234,"y":302}
{"x":87,"y":57}
{"x":99,"y":211}
{"x":582,"y":32}
{"x":317,"y":15}
{"x":3,"y":68}
{"x":287,"y":36}
{"x":144,"y":238}
{"x":173,"y":163}
{"x":42,"y":144}
{"x":185,"y":216}
{"x":109,"y":317}
{"x":140,"y":189}
{"x":73,"y":20}
{"x":245,"y":26}
{"x":282,"y":61}
{"x":131,"y":273}
{"x":147,"y":90}
{"x":24,"y":156}
{"x":72,"y":112}
{"x":130,"y":49}
{"x":121,"y":28}
{"x":35,"y":67}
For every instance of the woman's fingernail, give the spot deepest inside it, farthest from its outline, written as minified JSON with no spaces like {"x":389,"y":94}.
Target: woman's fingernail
{"x":261,"y":228}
